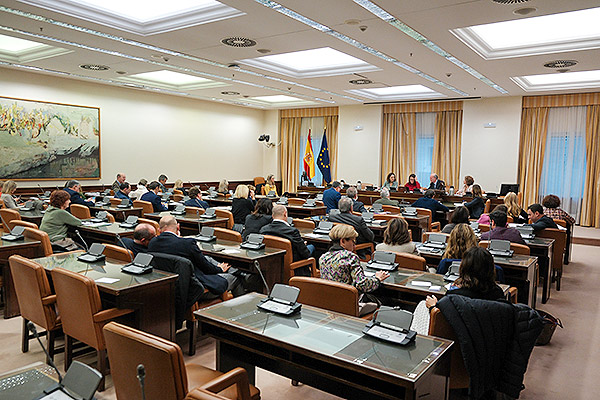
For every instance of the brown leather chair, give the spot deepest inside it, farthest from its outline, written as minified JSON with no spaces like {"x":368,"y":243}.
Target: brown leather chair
{"x":289,"y":266}
{"x":110,"y":218}
{"x":203,"y":394}
{"x":366,"y":256}
{"x":259,"y":180}
{"x":167,"y":377}
{"x":145,"y":205}
{"x":560,"y":244}
{"x":82,"y":316}
{"x":391,"y":209}
{"x":411,"y":261}
{"x":36,"y":234}
{"x":177,"y":197}
{"x":330,"y":295}
{"x":431,"y":226}
{"x":516,"y":247}
{"x":295,"y":201}
{"x":20,"y":222}
{"x":115,"y":201}
{"x":36,"y":301}
{"x":303,"y":223}
{"x":177,"y":191}
{"x":484,"y":228}
{"x":149,"y":222}
{"x":560,"y":222}
{"x":80,"y":211}
{"x":7,"y":215}
{"x":193,"y":211}
{"x":488,"y":205}
{"x":117,"y":252}
{"x":225,"y":214}
{"x":228,"y":234}
{"x":386,"y":217}
{"x":509,"y":219}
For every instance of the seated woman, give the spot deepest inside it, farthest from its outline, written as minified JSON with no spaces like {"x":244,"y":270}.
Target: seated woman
{"x":8,"y":188}
{"x":260,"y":217}
{"x":461,"y":239}
{"x":514,"y":210}
{"x":195,"y":199}
{"x":396,"y":238}
{"x":459,"y":216}
{"x":57,"y":219}
{"x":477,"y":205}
{"x":552,"y":209}
{"x":179,"y":186}
{"x":467,"y":186}
{"x":341,"y":264}
{"x":390,"y":182}
{"x":223,"y":186}
{"x":241,"y":205}
{"x":412,"y":185}
{"x":270,"y":185}
{"x":485,"y":218}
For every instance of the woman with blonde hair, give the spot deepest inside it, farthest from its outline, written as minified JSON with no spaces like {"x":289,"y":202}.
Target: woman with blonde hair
{"x":8,"y":188}
{"x":241,"y":205}
{"x":396,"y":238}
{"x":223,"y":186}
{"x":179,"y":186}
{"x":461,"y":239}
{"x":270,"y":184}
{"x":514,"y":210}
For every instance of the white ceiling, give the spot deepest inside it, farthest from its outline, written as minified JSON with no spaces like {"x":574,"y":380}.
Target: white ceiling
{"x":281,"y":34}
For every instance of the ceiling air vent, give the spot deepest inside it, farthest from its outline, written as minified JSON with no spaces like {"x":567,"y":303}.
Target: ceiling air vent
{"x":510,"y":1}
{"x":238,"y":42}
{"x":361,"y":81}
{"x":230,"y":93}
{"x":559,"y":64}
{"x":94,"y":67}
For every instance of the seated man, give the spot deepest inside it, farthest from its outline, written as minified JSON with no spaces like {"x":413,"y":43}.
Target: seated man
{"x":385,"y":199}
{"x":123,"y":192}
{"x":152,"y":196}
{"x":538,"y":219}
{"x":365,"y":235}
{"x":142,"y":234}
{"x":73,"y":188}
{"x":196,"y":199}
{"x":436,"y":183}
{"x":141,"y":189}
{"x":357,"y":206}
{"x":332,"y":195}
{"x":280,"y":227}
{"x":499,"y":230}
{"x":162,"y":179}
{"x":117,"y":183}
{"x":428,"y":201}
{"x":210,"y":273}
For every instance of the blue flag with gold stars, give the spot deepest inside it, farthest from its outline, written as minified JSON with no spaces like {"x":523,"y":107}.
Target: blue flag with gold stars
{"x":323,"y":161}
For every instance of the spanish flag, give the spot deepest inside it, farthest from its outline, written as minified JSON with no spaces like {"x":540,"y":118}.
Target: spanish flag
{"x":309,"y":159}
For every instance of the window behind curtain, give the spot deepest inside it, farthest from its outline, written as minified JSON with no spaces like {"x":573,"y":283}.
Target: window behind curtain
{"x":563,"y":171}
{"x":316,"y":125}
{"x":425,"y":125}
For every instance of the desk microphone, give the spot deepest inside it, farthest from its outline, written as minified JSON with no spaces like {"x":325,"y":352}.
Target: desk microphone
{"x":31,"y":327}
{"x":141,"y":375}
{"x":87,"y":249}
{"x":130,"y":259}
{"x":42,"y":190}
{"x":257,"y":266}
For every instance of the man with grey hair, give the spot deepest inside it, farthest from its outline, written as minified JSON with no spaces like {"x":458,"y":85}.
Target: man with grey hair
{"x":436,"y":183}
{"x":73,"y":188}
{"x":385,"y":199}
{"x":357,"y":206}
{"x":117,"y":183}
{"x":345,"y":216}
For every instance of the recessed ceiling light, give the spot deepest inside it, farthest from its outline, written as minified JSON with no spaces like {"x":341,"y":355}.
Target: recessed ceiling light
{"x":567,"y":80}
{"x":263,"y":51}
{"x":230,"y":93}
{"x":524,"y":11}
{"x":94,"y":67}
{"x":277,"y":99}
{"x":238,"y":42}
{"x":121,"y":72}
{"x":11,"y":44}
{"x":404,"y":92}
{"x":560,"y":64}
{"x":170,"y":77}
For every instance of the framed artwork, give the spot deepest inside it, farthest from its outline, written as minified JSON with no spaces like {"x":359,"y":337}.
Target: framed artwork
{"x":41,"y":140}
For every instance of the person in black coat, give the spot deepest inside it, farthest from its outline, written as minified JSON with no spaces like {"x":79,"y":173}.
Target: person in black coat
{"x":152,"y":196}
{"x":477,"y":205}
{"x":436,"y":183}
{"x":241,"y":205}
{"x":195,"y":199}
{"x":73,"y":188}
{"x":142,"y":235}
{"x":357,"y":206}
{"x":210,"y":273}
{"x":428,"y":201}
{"x":345,"y":216}
{"x":538,"y":219}
{"x":280,"y":227}
{"x":260,"y":217}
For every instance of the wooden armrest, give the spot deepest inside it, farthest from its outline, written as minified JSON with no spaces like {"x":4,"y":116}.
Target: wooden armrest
{"x":226,"y":296}
{"x":49,"y":300}
{"x":362,"y":246}
{"x":512,"y":294}
{"x":111,"y":313}
{"x":202,"y":394}
{"x":237,"y":376}
{"x":309,"y":262}
{"x":435,"y":226}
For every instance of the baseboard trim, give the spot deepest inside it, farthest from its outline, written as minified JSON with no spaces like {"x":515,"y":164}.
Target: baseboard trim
{"x":586,"y":241}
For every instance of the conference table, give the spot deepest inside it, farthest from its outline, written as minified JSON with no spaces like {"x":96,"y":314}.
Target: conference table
{"x":119,"y":213}
{"x":34,"y":216}
{"x":101,"y":232}
{"x":298,"y":211}
{"x":190,"y":224}
{"x":543,"y":248}
{"x":325,"y":350}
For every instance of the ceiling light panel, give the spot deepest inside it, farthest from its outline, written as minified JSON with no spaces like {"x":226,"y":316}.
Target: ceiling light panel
{"x":406,"y":92}
{"x":569,"y":31}
{"x":18,"y":50}
{"x":559,"y":81}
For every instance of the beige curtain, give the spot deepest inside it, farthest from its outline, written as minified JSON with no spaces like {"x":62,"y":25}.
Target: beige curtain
{"x":590,"y":207}
{"x":447,"y":145}
{"x":532,"y":145}
{"x":289,"y":152}
{"x":398,"y":146}
{"x":331,"y":126}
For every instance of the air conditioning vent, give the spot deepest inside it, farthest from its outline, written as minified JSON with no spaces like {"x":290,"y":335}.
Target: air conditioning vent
{"x":560,"y":64}
{"x":510,"y":1}
{"x":94,"y":67}
{"x":361,"y":81}
{"x":238,"y":42}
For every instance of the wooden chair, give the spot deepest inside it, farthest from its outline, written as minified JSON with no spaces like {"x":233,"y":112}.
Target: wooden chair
{"x":411,"y":261}
{"x":259,"y":180}
{"x":330,"y":295}
{"x":36,"y":234}
{"x":391,"y":209}
{"x":289,"y":265}
{"x":149,"y":222}
{"x":303,"y":223}
{"x":225,"y":214}
{"x":20,"y":222}
{"x":560,"y":244}
{"x":228,"y":234}
{"x":177,"y":191}
{"x":295,"y":201}
{"x":193,"y":211}
{"x":516,"y":247}
{"x":145,"y":205}
{"x":117,"y":252}
{"x":366,"y":256}
{"x":115,"y":201}
{"x":386,"y":217}
{"x":8,"y":215}
{"x":163,"y":360}
{"x":560,"y":222}
{"x":488,"y":205}
{"x":431,"y":226}
{"x":484,"y":228}
{"x":37,"y":303}
{"x":82,"y":316}
{"x":81,"y":211}
{"x":177,"y":197}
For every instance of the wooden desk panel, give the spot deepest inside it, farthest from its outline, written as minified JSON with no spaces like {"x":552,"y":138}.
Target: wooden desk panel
{"x":189,"y":223}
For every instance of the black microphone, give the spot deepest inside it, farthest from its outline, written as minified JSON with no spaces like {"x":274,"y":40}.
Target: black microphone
{"x":87,"y":249}
{"x":31,"y":327}
{"x":42,"y":190}
{"x":141,"y":375}
{"x":257,"y":266}
{"x":128,"y":252}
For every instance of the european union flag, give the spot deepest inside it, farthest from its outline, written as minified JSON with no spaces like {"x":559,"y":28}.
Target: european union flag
{"x":323,"y":162}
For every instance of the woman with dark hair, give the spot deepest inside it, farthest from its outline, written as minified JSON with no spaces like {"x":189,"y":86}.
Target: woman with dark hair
{"x":412,"y":184}
{"x":57,"y":219}
{"x":396,"y":238}
{"x":260,"y":217}
{"x":459,"y":216}
{"x":390,"y":182}
{"x":467,"y":185}
{"x":552,"y":209}
{"x":477,"y":205}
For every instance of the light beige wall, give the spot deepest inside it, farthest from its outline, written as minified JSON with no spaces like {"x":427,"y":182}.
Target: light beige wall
{"x":270,"y":155}
{"x":145,"y":134}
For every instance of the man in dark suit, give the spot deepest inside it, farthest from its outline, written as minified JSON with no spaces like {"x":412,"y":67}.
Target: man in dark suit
{"x":280,"y":227}
{"x":162,"y":180}
{"x":196,"y":199}
{"x":212,"y":274}
{"x":123,"y":192}
{"x":142,"y":235}
{"x":73,"y":188}
{"x":345,"y":216}
{"x":428,"y":201}
{"x":499,"y":230}
{"x":332,"y":195}
{"x":357,"y":206}
{"x":152,"y":196}
{"x":436,"y":183}
{"x":117,"y":183}
{"x":538,"y":219}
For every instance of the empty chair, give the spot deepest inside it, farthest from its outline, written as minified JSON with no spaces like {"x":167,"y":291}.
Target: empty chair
{"x":117,"y":252}
{"x":330,"y":295}
{"x":411,"y":261}
{"x":303,"y":223}
{"x":80,"y":211}
{"x":289,"y":266}
{"x":20,"y":222}
{"x":225,"y":214}
{"x":391,"y":209}
{"x":36,"y":234}
{"x":145,"y":205}
{"x":488,"y":205}
{"x":115,"y":201}
{"x":431,"y":226}
{"x":294,"y":201}
{"x":228,"y":234}
{"x":177,"y":197}
{"x":7,"y":215}
{"x":149,"y":222}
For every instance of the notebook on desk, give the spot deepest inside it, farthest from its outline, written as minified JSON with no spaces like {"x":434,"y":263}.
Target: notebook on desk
{"x":15,"y":234}
{"x":101,"y":216}
{"x":124,"y":204}
{"x":436,"y":241}
{"x":130,"y":222}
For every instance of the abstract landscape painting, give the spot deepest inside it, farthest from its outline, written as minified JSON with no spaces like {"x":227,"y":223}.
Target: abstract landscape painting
{"x":40,"y":140}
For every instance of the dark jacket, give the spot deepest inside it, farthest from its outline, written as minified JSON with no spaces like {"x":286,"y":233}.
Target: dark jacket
{"x":365,"y":235}
{"x":123,"y":196}
{"x":254,"y":223}
{"x":496,"y":339}
{"x":331,"y":198}
{"x":281,"y":229}
{"x":445,"y":263}
{"x":136,"y":248}
{"x":510,"y":234}
{"x":358,"y":206}
{"x":76,"y":198}
{"x":155,"y":199}
{"x":438,"y":185}
{"x":476,"y":207}
{"x":522,"y":218}
{"x":241,"y":208}
{"x":196,"y":203}
{"x":432,"y":204}
{"x":205,"y":268}
{"x":543,"y":223}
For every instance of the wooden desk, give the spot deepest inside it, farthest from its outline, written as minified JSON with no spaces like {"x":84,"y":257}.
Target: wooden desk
{"x":303,"y":212}
{"x":189,"y":224}
{"x":217,"y":201}
{"x":321,"y":242}
{"x":26,"y":248}
{"x":542,"y":248}
{"x":120,"y":214}
{"x":152,"y":295}
{"x":34,"y":216}
{"x":102,"y":233}
{"x":417,"y":225}
{"x":325,"y":350}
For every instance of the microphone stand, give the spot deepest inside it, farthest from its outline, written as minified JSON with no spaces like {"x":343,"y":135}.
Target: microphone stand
{"x":262,"y":277}
{"x":141,"y":375}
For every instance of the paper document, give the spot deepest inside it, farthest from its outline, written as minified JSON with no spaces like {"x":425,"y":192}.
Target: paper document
{"x":421,"y":283}
{"x":107,"y":280}
{"x":231,"y":251}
